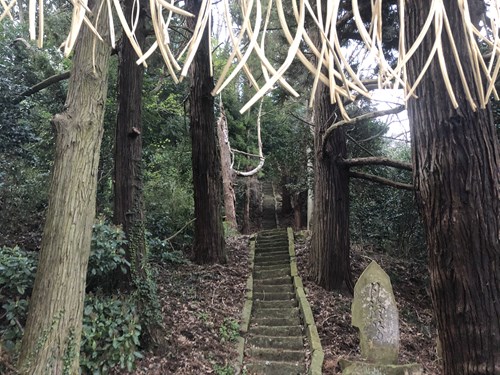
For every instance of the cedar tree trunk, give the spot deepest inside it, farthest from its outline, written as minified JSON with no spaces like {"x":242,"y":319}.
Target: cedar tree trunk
{"x":330,"y":239}
{"x":129,"y":198}
{"x":227,"y":172}
{"x":51,"y":341}
{"x":456,"y":176}
{"x":208,"y":244}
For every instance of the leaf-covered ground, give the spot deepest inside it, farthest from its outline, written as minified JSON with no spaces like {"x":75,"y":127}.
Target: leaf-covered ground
{"x":198,"y":299}
{"x":332,"y":310}
{"x":202,"y":306}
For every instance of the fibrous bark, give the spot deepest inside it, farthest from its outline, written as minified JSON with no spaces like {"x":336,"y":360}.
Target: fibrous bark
{"x":208,"y":246}
{"x":330,"y":246}
{"x":51,"y":342}
{"x":457,"y":180}
{"x":128,"y":187}
{"x":227,"y":171}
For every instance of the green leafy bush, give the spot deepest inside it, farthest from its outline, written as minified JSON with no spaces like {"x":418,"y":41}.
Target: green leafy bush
{"x":15,"y":314}
{"x":111,"y":331}
{"x":110,"y":335}
{"x":106,"y":254}
{"x":17,"y":272}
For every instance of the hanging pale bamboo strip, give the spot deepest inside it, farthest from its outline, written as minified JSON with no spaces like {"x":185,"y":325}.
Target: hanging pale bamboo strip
{"x":250,"y":48}
{"x":457,"y":59}
{"x":126,"y":30}
{"x":40,"y":24}
{"x":265,"y":72}
{"x":156,"y":18}
{"x":438,"y":31}
{"x":416,"y":44}
{"x":288,"y":61}
{"x":236,"y":47}
{"x":172,"y":8}
{"x":32,"y":18}
{"x":112,"y":34}
{"x":7,"y":9}
{"x":197,"y":35}
{"x":94,"y":40}
{"x":303,"y":59}
{"x":77,"y":19}
{"x":356,"y":85}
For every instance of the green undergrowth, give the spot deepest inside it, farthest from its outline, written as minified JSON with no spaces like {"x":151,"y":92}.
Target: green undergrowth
{"x":111,"y":326}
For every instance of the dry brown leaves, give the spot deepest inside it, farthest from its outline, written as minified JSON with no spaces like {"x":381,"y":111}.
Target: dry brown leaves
{"x":195,"y":301}
{"x":332,"y":310}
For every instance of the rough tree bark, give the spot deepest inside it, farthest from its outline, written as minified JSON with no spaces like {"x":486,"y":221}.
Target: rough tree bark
{"x":128,"y":181}
{"x":330,"y":245}
{"x":457,"y":179}
{"x":51,"y":341}
{"x":227,"y":171}
{"x":208,"y":244}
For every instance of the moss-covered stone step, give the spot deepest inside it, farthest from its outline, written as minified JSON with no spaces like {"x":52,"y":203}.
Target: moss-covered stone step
{"x":277,"y":342}
{"x":274,"y":304}
{"x":271,"y":246}
{"x":265,"y":296}
{"x":273,"y":288}
{"x":282,"y":280}
{"x":276,"y":321}
{"x":272,"y":255}
{"x":271,"y":273}
{"x":275,"y":368}
{"x":278,"y":355}
{"x":280,"y":312}
{"x":265,"y":266}
{"x":276,"y":331}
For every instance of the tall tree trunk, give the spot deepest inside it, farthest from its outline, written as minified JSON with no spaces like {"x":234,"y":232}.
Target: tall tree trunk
{"x":208,"y":244}
{"x":457,"y":180}
{"x":51,"y":341}
{"x":330,"y":239}
{"x":128,"y":187}
{"x":227,"y":172}
{"x":246,"y":208}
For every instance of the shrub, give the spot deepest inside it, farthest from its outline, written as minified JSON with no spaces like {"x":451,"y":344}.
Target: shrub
{"x":110,"y":335}
{"x":111,"y":329}
{"x":106,"y":254}
{"x":17,"y":272}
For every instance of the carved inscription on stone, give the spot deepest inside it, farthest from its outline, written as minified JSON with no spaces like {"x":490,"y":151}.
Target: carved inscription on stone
{"x":375,"y":314}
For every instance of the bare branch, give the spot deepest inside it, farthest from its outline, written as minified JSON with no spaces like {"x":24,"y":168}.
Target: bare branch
{"x":377,"y":160}
{"x":381,"y":180}
{"x":41,"y":85}
{"x":355,"y":120}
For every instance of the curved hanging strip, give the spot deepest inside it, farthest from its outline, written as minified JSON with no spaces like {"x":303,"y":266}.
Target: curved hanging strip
{"x":332,"y":67}
{"x":261,"y":157}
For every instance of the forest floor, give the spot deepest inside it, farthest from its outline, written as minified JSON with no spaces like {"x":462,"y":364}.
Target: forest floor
{"x":201,"y":305}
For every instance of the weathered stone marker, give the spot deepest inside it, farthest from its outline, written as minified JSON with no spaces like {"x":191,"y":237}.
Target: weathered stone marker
{"x":375,"y":314}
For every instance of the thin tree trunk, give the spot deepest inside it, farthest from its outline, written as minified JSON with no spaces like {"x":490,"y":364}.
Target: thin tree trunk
{"x":330,"y":239}
{"x":51,"y":341}
{"x":457,"y":180}
{"x":227,"y":172}
{"x":129,"y":197}
{"x":208,"y":244}
{"x":246,"y":208}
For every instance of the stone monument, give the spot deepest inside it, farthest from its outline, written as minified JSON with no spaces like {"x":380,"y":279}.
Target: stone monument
{"x":375,"y":314}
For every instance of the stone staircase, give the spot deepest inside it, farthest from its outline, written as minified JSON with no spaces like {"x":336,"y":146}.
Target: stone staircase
{"x":269,"y":214}
{"x":275,"y":329}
